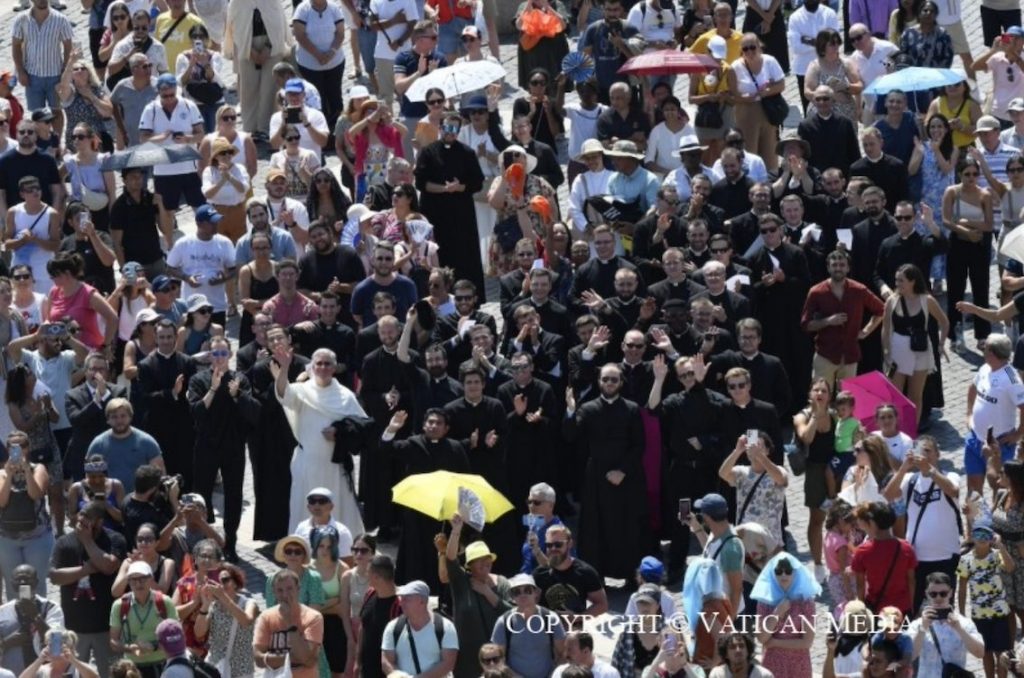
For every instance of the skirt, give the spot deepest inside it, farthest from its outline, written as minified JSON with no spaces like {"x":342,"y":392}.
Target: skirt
{"x":908,"y":362}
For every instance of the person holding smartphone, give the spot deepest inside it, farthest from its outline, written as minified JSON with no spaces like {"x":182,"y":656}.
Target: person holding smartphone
{"x":26,"y":619}
{"x":941,"y":636}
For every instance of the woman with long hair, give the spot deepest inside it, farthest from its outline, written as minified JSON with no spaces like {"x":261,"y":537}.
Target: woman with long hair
{"x":226,"y":185}
{"x":26,"y":535}
{"x":736,"y":652}
{"x":198,"y":70}
{"x":428,"y":128}
{"x":902,"y":18}
{"x":32,"y":232}
{"x":752,"y":77}
{"x":297,"y":163}
{"x":198,"y":329}
{"x":934,"y":159}
{"x":1008,"y":522}
{"x":328,"y":563}
{"x":343,"y":146}
{"x":355,"y":583}
{"x":815,"y":428}
{"x":90,"y":184}
{"x":785,"y":593}
{"x":97,"y":486}
{"x":31,"y":409}
{"x":227,"y":128}
{"x":962,"y":111}
{"x":376,"y":138}
{"x":12,"y":326}
{"x":967,"y":212}
{"x":869,"y":473}
{"x":834,"y":70}
{"x":256,"y":284}
{"x":130,"y":298}
{"x":906,"y":315}
{"x":71,"y":298}
{"x":226,"y":619}
{"x":84,"y":99}
{"x":326,"y":200}
{"x":847,"y":649}
{"x":164,"y":568}
{"x":115,"y":23}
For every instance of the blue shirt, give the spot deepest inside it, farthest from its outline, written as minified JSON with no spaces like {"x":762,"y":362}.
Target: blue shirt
{"x":641,"y":184}
{"x":407,"y":62}
{"x":529,"y":562}
{"x":403,"y":290}
{"x":124,"y":455}
{"x":607,"y":57}
{"x":899,"y":141}
{"x":282,"y":246}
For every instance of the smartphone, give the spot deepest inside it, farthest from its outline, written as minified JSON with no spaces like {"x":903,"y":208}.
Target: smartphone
{"x":83,"y":219}
{"x":670,"y":643}
{"x":942,"y":612}
{"x":15,"y":453}
{"x":56,"y":644}
{"x":752,"y":437}
{"x":24,"y":592}
{"x":684,"y":509}
{"x":291,"y":116}
{"x":990,"y":437}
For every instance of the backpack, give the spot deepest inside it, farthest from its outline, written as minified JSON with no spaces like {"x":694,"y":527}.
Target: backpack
{"x":161,"y":609}
{"x":403,"y":623}
{"x":200,"y":668}
{"x":952,"y":502}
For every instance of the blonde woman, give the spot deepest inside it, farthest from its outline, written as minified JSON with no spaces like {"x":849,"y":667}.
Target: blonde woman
{"x":83,"y":98}
{"x":227,"y":128}
{"x":752,"y":78}
{"x":66,"y":663}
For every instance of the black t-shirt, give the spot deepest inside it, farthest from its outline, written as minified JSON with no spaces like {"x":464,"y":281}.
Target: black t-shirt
{"x":138,"y":221}
{"x":87,"y":610}
{"x":14,"y":166}
{"x":567,"y":589}
{"x":96,"y":273}
{"x":137,"y":513}
{"x":376,"y":614}
{"x":318,"y":270}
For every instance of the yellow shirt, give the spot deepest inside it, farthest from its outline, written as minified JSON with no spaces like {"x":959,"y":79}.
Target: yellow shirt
{"x":732,"y":45}
{"x":178,"y":41}
{"x":960,"y":139}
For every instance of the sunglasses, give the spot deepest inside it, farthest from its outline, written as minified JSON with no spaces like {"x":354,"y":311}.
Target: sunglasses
{"x":635,"y":345}
{"x":719,"y":250}
{"x":518,"y":368}
{"x":737,"y":386}
{"x":490,"y":660}
{"x":26,"y":132}
{"x":294,"y":552}
{"x":522,"y":591}
{"x":556,"y":544}
{"x":317,"y":501}
{"x":773,"y":229}
{"x":80,"y":137}
{"x":22,"y":276}
{"x":361,"y":550}
{"x":229,"y":118}
{"x":749,"y":48}
{"x":468,"y":38}
{"x":220,"y":353}
{"x":292,"y":138}
{"x":786,"y":570}
{"x":463,"y":297}
{"x":939,"y":594}
{"x":903,"y":217}
{"x":435,"y":102}
{"x":534,"y":502}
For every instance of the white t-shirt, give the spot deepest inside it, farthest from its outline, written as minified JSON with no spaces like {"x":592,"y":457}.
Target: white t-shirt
{"x":771,"y":71}
{"x":33,"y":313}
{"x":600,"y":669}
{"x":315,"y":119}
{"x":205,"y":258}
{"x":386,"y":10}
{"x":156,"y":120}
{"x":426,"y":645}
{"x":586,"y":185}
{"x":227,"y":194}
{"x":950,"y":12}
{"x":871,"y":67}
{"x":305,"y":530}
{"x":582,"y":125}
{"x":663,"y":145}
{"x":752,"y":164}
{"x":156,"y":53}
{"x":806,"y":24}
{"x":320,"y":30}
{"x":1000,"y":393}
{"x":899,"y":445}
{"x":936,"y":537}
{"x":644,"y":19}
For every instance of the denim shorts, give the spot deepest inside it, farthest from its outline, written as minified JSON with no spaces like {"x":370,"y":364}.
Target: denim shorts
{"x":41,"y":92}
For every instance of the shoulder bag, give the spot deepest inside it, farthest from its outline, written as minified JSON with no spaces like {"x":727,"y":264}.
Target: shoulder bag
{"x":776,"y":109}
{"x":949,"y":670}
{"x":918,"y":335}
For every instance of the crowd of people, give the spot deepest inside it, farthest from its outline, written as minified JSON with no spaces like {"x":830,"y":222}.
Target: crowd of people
{"x":682,"y":306}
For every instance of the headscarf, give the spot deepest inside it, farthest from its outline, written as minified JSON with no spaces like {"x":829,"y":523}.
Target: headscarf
{"x":767,"y":590}
{"x":703,"y":579}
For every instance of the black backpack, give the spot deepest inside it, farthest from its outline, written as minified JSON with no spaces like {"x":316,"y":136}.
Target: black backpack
{"x":200,"y":668}
{"x":402,"y":624}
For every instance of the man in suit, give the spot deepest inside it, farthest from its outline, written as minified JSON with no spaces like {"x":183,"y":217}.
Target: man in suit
{"x":84,"y":406}
{"x":769,"y":381}
{"x":451,"y":330}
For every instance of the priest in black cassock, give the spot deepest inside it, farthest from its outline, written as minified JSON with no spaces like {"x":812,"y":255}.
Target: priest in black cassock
{"x":426,"y":452}
{"x":598,"y":274}
{"x":447,"y":175}
{"x":271,"y":442}
{"x":472,"y":419}
{"x":163,"y":381}
{"x":613,"y":515}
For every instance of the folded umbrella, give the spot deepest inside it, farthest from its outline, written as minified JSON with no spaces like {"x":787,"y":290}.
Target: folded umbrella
{"x":149,"y":155}
{"x":437,"y":494}
{"x":668,"y":62}
{"x":873,"y":389}
{"x":914,"y":79}
{"x":456,"y":80}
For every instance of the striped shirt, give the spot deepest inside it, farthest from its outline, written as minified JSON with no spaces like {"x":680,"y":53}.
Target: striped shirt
{"x":42,"y":43}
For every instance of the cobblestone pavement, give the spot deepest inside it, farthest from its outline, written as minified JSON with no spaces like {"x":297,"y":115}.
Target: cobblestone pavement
{"x":957,"y":374}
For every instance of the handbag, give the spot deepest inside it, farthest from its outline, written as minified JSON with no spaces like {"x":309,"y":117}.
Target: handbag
{"x":709,"y":115}
{"x":284,"y":672}
{"x":918,"y":335}
{"x":208,"y":93}
{"x":507,"y":232}
{"x":949,"y":670}
{"x":797,"y":458}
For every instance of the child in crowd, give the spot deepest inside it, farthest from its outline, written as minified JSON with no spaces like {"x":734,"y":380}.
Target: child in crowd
{"x":839,"y":544}
{"x":980,"y":572}
{"x":847,"y":427}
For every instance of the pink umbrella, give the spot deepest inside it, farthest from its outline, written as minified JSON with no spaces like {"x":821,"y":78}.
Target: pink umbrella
{"x":668,"y":62}
{"x":874,"y":389}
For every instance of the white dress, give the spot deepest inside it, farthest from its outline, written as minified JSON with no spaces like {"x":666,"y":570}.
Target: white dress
{"x":310,"y":409}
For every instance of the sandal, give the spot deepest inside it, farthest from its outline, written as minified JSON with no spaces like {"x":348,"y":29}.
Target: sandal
{"x":358,"y":75}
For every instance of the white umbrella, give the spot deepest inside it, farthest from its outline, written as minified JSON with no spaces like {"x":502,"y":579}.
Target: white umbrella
{"x":465,"y":77}
{"x":1012,"y":246}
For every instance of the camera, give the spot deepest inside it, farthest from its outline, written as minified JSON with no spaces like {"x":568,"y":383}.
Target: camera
{"x":942,"y":612}
{"x":614,"y":26}
{"x":292,"y":116}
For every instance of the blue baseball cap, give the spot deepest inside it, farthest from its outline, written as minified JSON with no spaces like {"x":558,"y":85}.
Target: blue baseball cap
{"x":162,"y":283}
{"x":477,"y":102}
{"x":1015,"y":31}
{"x":166,"y":80}
{"x":713,"y":506}
{"x":295,"y":85}
{"x":651,"y":569}
{"x":209,"y":214}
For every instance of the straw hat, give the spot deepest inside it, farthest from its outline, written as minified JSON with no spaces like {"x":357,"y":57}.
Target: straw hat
{"x":222,"y":145}
{"x":292,"y":539}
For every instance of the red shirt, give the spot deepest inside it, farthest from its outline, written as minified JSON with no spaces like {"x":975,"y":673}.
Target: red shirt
{"x":449,"y":9}
{"x":838,"y":343}
{"x":874,"y":559}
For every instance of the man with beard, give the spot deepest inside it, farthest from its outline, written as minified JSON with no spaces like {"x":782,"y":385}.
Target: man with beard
{"x":780,"y":279}
{"x":676,"y":284}
{"x":427,"y":452}
{"x":282,"y":244}
{"x":367,"y":338}
{"x":612,"y":499}
{"x":123,"y":446}
{"x":834,"y":312}
{"x":384,"y":279}
{"x":328,"y":331}
{"x":163,"y":377}
{"x":224,"y":412}
{"x":702,"y":318}
{"x":284,"y":212}
{"x":329,"y":266}
{"x":622,"y":312}
{"x":728,"y":306}
{"x":289,"y":306}
{"x":386,"y":384}
{"x":688,"y":427}
{"x":659,"y":229}
{"x":868,"y":236}
{"x":731,"y":194}
{"x":270,"y":437}
{"x":827,"y":207}
{"x":598,"y":274}
{"x":452,"y":330}
{"x":769,"y":381}
{"x":569,"y":586}
{"x":547,"y":350}
{"x":85,"y":405}
{"x":887,"y":172}
{"x":513,"y":284}
{"x":432,"y":387}
{"x":815,"y":243}
{"x":554,"y":317}
{"x":699,"y":208}
{"x":530,"y":404}
{"x":744,"y":228}
{"x":480,"y":422}
{"x":447,"y":175}
{"x":907,"y":246}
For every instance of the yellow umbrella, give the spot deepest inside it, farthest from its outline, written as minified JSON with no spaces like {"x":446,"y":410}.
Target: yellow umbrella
{"x":437,"y":494}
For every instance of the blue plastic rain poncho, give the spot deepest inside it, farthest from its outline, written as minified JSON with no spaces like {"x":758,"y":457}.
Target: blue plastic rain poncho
{"x":767,"y":590}
{"x":703,"y":579}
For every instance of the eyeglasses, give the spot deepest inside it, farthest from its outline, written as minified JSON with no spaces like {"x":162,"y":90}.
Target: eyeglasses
{"x":903,"y":217}
{"x":771,"y":229}
{"x":294,"y":552}
{"x":858,"y":37}
{"x":229,"y":118}
{"x":31,"y":189}
{"x":361,"y":550}
{"x":292,"y":138}
{"x":22,"y":276}
{"x":737,"y":386}
{"x":939,"y":594}
{"x":490,"y":660}
{"x":610,"y":380}
{"x":318,"y":501}
{"x":749,"y":48}
{"x":534,"y":502}
{"x":463,"y":297}
{"x":205,"y":311}
{"x":145,"y":67}
{"x":635,"y":345}
{"x":518,"y":368}
{"x":521,"y":591}
{"x":719,"y":250}
{"x":784,"y":569}
{"x":26,"y":132}
{"x":435,"y":102}
{"x":468,"y":38}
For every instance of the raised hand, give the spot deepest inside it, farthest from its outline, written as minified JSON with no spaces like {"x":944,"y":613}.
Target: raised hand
{"x":570,"y":399}
{"x":599,"y":339}
{"x":491,"y":439}
{"x":592,"y":299}
{"x":660,"y":367}
{"x":233,"y":387}
{"x":398,"y":420}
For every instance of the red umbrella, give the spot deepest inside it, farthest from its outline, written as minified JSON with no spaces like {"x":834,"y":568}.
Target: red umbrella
{"x":668,"y":62}
{"x":873,"y":389}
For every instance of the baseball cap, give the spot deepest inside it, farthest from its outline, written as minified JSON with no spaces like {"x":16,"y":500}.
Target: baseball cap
{"x":146,"y":315}
{"x":358,"y":92}
{"x":987,"y":123}
{"x":713,"y":506}
{"x":649,"y":592}
{"x":651,"y":569}
{"x":414,"y":588}
{"x":162,"y":283}
{"x":320,"y":492}
{"x":717,"y":47}
{"x":1015,"y":31}
{"x":140,"y":568}
{"x":1016,"y":104}
{"x":43,"y":114}
{"x":166,"y":80}
{"x":275,"y":173}
{"x":208,"y":213}
{"x":171,"y":637}
{"x":295,"y":85}
{"x":471,"y":30}
{"x":522,"y":580}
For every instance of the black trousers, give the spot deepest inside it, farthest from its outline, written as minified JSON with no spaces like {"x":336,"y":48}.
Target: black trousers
{"x":995,"y":21}
{"x":969,"y":261}
{"x":328,"y":82}
{"x":804,"y":103}
{"x":229,"y":459}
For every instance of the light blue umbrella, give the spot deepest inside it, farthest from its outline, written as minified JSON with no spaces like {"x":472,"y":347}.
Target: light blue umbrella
{"x":914,"y":79}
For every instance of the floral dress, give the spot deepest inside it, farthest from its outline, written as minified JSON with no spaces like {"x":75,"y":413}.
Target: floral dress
{"x":502,"y":262}
{"x":78,"y":109}
{"x":239,"y":656}
{"x":1009,"y":524}
{"x":933,"y":186}
{"x":836,"y":77}
{"x":789,"y":663}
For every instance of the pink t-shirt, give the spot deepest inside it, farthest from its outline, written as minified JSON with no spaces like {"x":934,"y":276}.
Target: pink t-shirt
{"x":835,"y":544}
{"x":77,"y":307}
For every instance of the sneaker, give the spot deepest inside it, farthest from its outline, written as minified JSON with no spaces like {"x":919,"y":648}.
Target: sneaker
{"x":820,"y":573}
{"x":826,"y":505}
